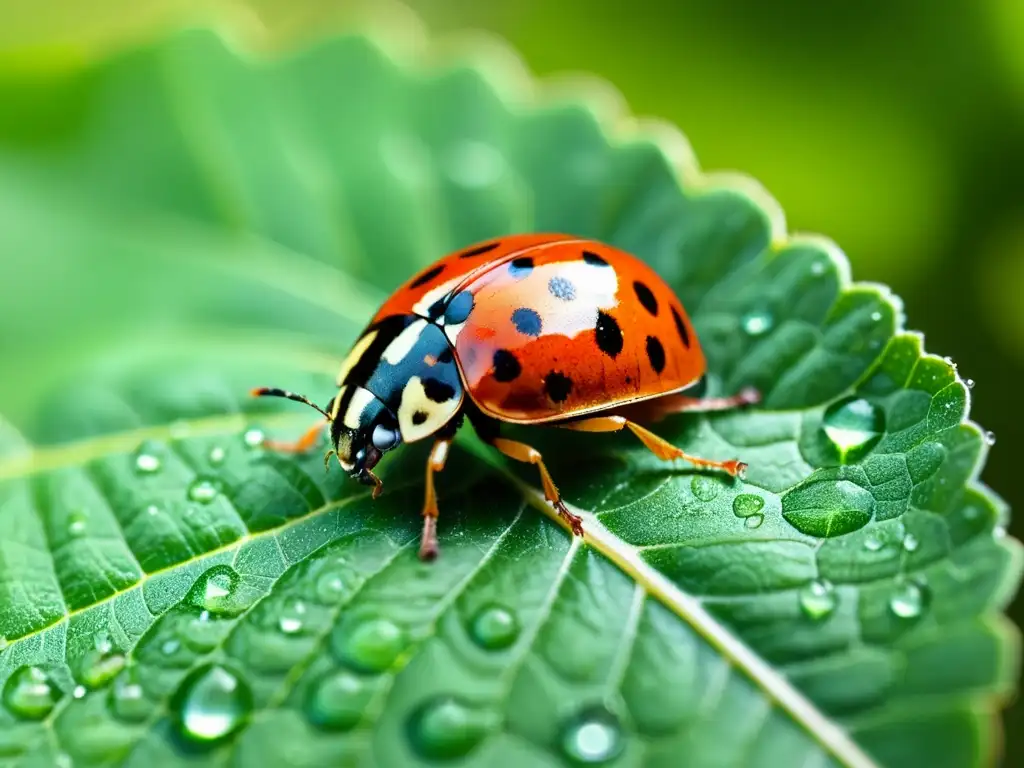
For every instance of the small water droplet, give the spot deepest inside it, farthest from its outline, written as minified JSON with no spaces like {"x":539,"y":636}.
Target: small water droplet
{"x":969,"y":383}
{"x":910,"y":542}
{"x":253,"y":438}
{"x":215,"y":591}
{"x":30,"y":693}
{"x":818,"y":599}
{"x":170,"y":647}
{"x":907,"y":601}
{"x":152,"y":509}
{"x":990,"y":438}
{"x":203,"y":490}
{"x":754,"y":521}
{"x":747,"y":505}
{"x":101,"y":665}
{"x":873,"y":544}
{"x":494,"y":627}
{"x":705,"y":488}
{"x":147,"y":463}
{"x":818,"y":268}
{"x":126,"y":699}
{"x":330,"y":588}
{"x":290,"y":620}
{"x":338,"y":701}
{"x":217,"y":455}
{"x":448,"y":727}
{"x":876,"y":316}
{"x":211,"y":704}
{"x":77,"y":524}
{"x":79,"y":692}
{"x":854,"y":426}
{"x":757,"y":323}
{"x":594,"y":736}
{"x":370,"y":646}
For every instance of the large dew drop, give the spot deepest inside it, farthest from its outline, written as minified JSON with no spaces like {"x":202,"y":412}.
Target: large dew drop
{"x":337,"y":702}
{"x":30,"y":693}
{"x":447,"y":727}
{"x":593,"y":737}
{"x":216,"y":591}
{"x":101,"y":664}
{"x":818,"y":600}
{"x":211,"y":704}
{"x":371,"y":646}
{"x":853,"y":426}
{"x":907,"y":601}
{"x":494,"y":627}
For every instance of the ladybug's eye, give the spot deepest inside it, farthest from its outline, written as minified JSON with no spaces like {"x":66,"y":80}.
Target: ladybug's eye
{"x":384,"y":437}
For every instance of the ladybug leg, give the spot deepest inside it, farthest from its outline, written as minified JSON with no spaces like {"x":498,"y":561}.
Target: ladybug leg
{"x":528,"y":455}
{"x":435,"y":463}
{"x":684,"y":404}
{"x":659,"y":446}
{"x":303,"y":444}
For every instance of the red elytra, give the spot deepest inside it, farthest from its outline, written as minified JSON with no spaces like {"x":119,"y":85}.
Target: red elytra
{"x":540,"y":329}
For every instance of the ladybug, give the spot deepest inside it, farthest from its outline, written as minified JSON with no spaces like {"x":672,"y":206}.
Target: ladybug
{"x":534,"y":329}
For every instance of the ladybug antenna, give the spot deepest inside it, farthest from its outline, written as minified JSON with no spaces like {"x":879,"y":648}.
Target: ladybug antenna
{"x":275,"y":392}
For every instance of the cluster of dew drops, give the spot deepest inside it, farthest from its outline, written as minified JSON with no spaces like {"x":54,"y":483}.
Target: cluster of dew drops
{"x":214,"y":702}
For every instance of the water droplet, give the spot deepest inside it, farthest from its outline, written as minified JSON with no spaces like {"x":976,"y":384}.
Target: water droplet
{"x":214,"y":591}
{"x":330,"y":588}
{"x":876,"y":316}
{"x":77,"y":524}
{"x":907,"y":601}
{"x":203,"y":490}
{"x":448,"y":727}
{"x":217,"y":455}
{"x":757,"y":323}
{"x":910,"y":542}
{"x":78,"y":692}
{"x":494,"y":627}
{"x":705,"y":488}
{"x":818,"y":268}
{"x":873,"y":544}
{"x":371,"y":646}
{"x":818,"y":599}
{"x":854,"y":426}
{"x":747,"y":505}
{"x":152,"y":509}
{"x":338,"y":701}
{"x":253,"y":438}
{"x":211,"y":704}
{"x":170,"y":647}
{"x":990,"y":438}
{"x":593,"y":737}
{"x":754,"y":521}
{"x":100,"y":666}
{"x":827,"y":508}
{"x":126,"y":699}
{"x":147,"y":463}
{"x":969,"y":383}
{"x":290,"y":620}
{"x":30,"y":693}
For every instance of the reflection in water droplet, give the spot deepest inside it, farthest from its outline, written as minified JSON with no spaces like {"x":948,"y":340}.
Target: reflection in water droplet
{"x":754,"y":521}
{"x":290,"y":620}
{"x":203,"y":490}
{"x":494,"y":627}
{"x":30,"y":693}
{"x":253,"y":438}
{"x":704,"y":487}
{"x":907,"y":601}
{"x":873,"y":544}
{"x":757,"y":323}
{"x":211,"y":704}
{"x":337,"y":702}
{"x":747,"y":505}
{"x":910,"y":542}
{"x":854,"y":426}
{"x":593,"y":737}
{"x":126,"y":699}
{"x":448,"y":727}
{"x":371,"y":646}
{"x":818,"y":599}
{"x":990,"y":438}
{"x":216,"y":456}
{"x":214,"y":591}
{"x":969,"y":383}
{"x":77,"y":522}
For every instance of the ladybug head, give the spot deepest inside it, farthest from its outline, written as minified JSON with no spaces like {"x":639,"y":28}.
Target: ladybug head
{"x":362,"y":434}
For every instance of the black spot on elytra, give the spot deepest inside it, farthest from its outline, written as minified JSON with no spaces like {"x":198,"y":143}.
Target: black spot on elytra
{"x":558,"y":386}
{"x":438,"y":391}
{"x":561,"y":288}
{"x":656,"y":354}
{"x":608,"y":334}
{"x":427,"y":276}
{"x":643,"y":293}
{"x":681,"y":327}
{"x":526,"y":321}
{"x":521,"y":267}
{"x":446,"y":355}
{"x":459,"y":308}
{"x":478,"y":250}
{"x":419,"y":417}
{"x":593,"y":259}
{"x":506,"y":366}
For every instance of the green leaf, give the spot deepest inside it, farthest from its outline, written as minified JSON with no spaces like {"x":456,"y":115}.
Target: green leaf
{"x":171,"y":591}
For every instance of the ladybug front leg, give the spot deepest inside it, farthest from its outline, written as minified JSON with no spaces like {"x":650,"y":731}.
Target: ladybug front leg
{"x":526,"y":454}
{"x":659,"y":446}
{"x":435,"y":463}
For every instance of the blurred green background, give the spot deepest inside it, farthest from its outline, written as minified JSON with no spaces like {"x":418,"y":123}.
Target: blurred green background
{"x":896,"y":127}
